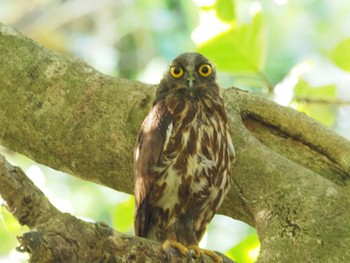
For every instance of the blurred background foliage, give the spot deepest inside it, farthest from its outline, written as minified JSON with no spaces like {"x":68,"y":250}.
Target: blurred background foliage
{"x":294,"y":52}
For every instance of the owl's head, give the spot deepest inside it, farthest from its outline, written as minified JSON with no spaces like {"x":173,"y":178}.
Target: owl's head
{"x":189,"y":73}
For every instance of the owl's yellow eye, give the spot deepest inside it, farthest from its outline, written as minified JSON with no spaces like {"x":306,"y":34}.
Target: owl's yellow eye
{"x":176,"y":72}
{"x":205,"y":70}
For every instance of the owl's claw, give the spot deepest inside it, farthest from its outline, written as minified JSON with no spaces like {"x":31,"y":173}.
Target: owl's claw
{"x":175,"y":247}
{"x":198,"y":252}
{"x":171,"y":247}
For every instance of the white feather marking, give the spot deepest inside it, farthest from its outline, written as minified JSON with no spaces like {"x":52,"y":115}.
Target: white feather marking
{"x":169,"y":198}
{"x":137,"y":152}
{"x":167,"y":136}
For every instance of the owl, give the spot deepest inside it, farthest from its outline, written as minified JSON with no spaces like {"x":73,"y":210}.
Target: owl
{"x":183,"y":155}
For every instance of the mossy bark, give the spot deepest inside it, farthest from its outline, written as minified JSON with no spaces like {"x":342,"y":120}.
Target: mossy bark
{"x":290,"y":181}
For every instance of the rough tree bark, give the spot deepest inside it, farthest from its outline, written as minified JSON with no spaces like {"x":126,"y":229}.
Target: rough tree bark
{"x":291,"y":180}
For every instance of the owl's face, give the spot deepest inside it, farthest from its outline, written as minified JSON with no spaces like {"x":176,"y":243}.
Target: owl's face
{"x":189,"y":73}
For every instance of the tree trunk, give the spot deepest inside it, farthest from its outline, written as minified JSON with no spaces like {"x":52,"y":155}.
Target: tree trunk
{"x":291,"y":179}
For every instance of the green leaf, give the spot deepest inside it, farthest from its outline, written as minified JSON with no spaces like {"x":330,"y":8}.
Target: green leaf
{"x":225,"y":10}
{"x":9,"y":229}
{"x":124,"y":215}
{"x":340,"y":55}
{"x":247,"y":250}
{"x":240,"y":49}
{"x":321,"y":112}
{"x":303,"y":89}
{"x":10,"y":222}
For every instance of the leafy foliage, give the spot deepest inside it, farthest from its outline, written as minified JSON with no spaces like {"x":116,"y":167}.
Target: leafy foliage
{"x":9,"y":229}
{"x":247,"y":250}
{"x":303,"y":92}
{"x":123,"y":215}
{"x":241,"y":48}
{"x":340,"y":55}
{"x":225,"y":10}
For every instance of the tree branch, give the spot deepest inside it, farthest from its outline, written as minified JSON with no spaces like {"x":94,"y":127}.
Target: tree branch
{"x":291,"y":180}
{"x":60,"y":237}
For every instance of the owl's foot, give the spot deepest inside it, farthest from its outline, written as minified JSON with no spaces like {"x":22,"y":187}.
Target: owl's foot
{"x":170,"y":247}
{"x":197,"y":252}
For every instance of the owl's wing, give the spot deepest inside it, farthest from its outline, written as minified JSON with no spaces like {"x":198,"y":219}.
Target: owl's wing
{"x":148,"y":150}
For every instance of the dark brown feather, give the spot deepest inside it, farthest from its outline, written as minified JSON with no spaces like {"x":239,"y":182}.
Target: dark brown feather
{"x":147,"y":153}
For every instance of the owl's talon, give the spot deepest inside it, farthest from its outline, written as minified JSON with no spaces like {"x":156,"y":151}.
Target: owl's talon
{"x":170,"y":245}
{"x":195,"y":251}
{"x":199,"y":252}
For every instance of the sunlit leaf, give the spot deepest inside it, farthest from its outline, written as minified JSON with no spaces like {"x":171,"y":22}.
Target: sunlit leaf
{"x":246,"y":251}
{"x":304,"y":95}
{"x":9,"y":229}
{"x":240,"y":49}
{"x":322,"y":113}
{"x":225,"y":10}
{"x":124,"y":215}
{"x":10,"y":222}
{"x":340,"y":55}
{"x":303,"y":89}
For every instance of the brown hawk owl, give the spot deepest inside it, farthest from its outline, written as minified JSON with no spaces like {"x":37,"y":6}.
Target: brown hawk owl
{"x":183,"y":155}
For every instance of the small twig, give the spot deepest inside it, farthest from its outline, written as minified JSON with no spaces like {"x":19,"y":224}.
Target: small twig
{"x":336,"y":102}
{"x":259,"y":77}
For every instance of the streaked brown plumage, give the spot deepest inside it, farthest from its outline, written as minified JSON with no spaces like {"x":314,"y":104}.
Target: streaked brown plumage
{"x":183,"y":155}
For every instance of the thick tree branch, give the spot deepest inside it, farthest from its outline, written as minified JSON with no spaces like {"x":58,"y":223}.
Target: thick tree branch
{"x":291,"y":180}
{"x":60,"y":237}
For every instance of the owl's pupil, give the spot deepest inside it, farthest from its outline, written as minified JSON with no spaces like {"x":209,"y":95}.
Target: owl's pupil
{"x":177,"y":71}
{"x":205,"y":70}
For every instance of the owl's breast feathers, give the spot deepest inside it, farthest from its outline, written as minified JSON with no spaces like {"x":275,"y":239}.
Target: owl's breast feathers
{"x":183,"y":160}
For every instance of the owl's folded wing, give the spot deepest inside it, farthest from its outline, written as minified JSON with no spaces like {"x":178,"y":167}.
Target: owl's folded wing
{"x":148,"y":151}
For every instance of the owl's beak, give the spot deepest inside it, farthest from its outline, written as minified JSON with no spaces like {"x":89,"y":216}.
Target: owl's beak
{"x":190,"y":80}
